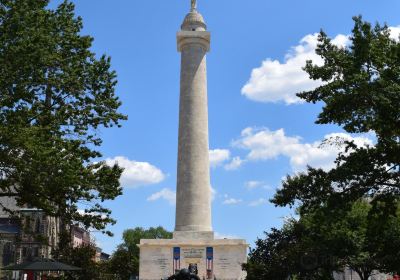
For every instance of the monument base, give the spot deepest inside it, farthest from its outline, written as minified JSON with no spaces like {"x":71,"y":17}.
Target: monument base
{"x":219,"y":259}
{"x":194,"y":235}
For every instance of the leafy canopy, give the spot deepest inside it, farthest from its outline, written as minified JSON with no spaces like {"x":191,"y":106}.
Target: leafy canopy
{"x":84,"y":258}
{"x":324,"y":241}
{"x":125,"y":260}
{"x":55,"y":96}
{"x":360,"y":93}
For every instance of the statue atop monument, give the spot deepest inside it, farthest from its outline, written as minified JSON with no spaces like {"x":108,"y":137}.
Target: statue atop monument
{"x":194,"y":5}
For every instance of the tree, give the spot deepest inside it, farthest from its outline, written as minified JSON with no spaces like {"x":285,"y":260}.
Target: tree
{"x":357,"y":237}
{"x":343,"y":236}
{"x":290,"y":253}
{"x":384,"y":238}
{"x":84,"y":258}
{"x":125,"y":260}
{"x":55,"y":95}
{"x":360,"y":93}
{"x":324,"y":241}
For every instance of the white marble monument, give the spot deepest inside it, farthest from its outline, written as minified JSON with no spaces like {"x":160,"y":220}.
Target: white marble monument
{"x":193,"y":241}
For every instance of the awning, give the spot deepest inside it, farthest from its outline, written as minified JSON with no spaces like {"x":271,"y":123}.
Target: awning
{"x":42,"y":265}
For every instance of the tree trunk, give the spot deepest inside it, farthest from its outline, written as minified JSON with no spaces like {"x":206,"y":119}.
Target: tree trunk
{"x":48,"y":97}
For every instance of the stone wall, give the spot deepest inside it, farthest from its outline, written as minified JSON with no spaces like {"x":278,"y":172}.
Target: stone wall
{"x":223,"y":258}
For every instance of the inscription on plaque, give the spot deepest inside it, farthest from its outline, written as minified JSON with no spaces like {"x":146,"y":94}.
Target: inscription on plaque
{"x":223,"y":263}
{"x":161,"y":259}
{"x":163,"y":263}
{"x":193,"y":253}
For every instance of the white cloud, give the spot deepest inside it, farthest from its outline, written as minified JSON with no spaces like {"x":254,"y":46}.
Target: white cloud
{"x":264,"y":144}
{"x":213,"y":193}
{"x":341,"y":40}
{"x":234,"y":164}
{"x":166,"y":194}
{"x":82,"y":212}
{"x":231,"y":201}
{"x":276,"y":82}
{"x":395,"y":32}
{"x":259,"y":202}
{"x":137,"y":174}
{"x":218,"y":156}
{"x":253,"y":184}
{"x":250,"y":185}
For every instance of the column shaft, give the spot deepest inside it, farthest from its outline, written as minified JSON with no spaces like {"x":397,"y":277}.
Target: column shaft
{"x":193,"y":209}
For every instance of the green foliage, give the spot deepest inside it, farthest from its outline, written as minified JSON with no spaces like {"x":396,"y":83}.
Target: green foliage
{"x":326,"y":240}
{"x":361,"y":93}
{"x":84,"y":258}
{"x":125,"y":260}
{"x":55,"y":95}
{"x":123,"y":264}
{"x":272,"y":257}
{"x":288,"y":253}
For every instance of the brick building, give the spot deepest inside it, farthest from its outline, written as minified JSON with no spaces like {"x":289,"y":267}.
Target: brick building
{"x":29,"y":233}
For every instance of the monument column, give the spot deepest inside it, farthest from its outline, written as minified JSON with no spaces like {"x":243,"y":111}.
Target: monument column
{"x":193,"y":210}
{"x":193,"y":243}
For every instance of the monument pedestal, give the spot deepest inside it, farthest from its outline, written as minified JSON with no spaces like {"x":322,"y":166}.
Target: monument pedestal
{"x":219,"y":258}
{"x":194,"y":235}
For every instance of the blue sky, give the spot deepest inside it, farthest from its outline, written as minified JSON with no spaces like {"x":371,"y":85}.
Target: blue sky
{"x":259,"y":131}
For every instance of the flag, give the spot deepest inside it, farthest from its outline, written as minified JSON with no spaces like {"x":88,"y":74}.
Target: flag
{"x":177,"y":259}
{"x":209,"y":260}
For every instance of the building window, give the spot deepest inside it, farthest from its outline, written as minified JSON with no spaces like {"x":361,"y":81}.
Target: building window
{"x":28,"y":223}
{"x":37,"y":226}
{"x":35,"y":252}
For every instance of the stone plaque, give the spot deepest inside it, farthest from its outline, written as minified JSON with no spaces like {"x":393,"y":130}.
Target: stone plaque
{"x":228,"y":262}
{"x":158,"y":262}
{"x":223,"y":263}
{"x":193,"y":253}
